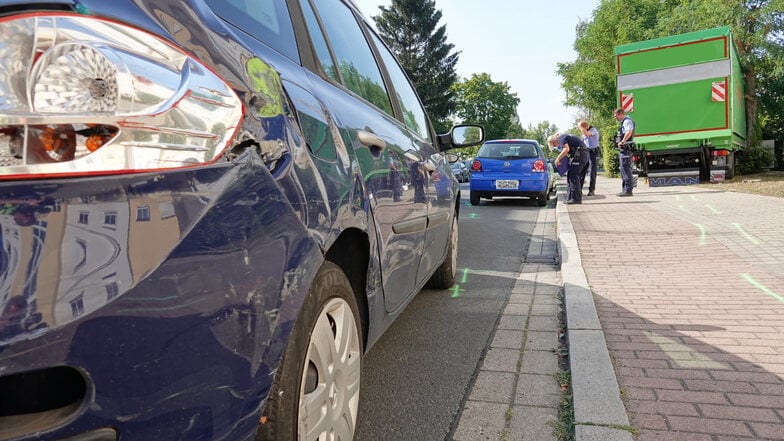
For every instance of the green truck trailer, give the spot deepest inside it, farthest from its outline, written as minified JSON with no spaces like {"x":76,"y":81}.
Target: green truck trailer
{"x":685,"y":95}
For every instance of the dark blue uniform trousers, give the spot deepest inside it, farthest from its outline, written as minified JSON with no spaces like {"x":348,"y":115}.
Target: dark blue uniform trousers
{"x":627,"y":178}
{"x":591,"y":170}
{"x":573,"y":177}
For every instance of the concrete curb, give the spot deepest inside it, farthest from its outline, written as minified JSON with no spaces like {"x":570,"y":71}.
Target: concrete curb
{"x":599,"y":412}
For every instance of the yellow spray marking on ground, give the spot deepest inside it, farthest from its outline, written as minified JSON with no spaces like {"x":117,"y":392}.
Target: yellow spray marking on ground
{"x":455,"y":291}
{"x":748,"y":236}
{"x":703,"y":234}
{"x":465,"y":275}
{"x":715,"y":211}
{"x":762,"y":287}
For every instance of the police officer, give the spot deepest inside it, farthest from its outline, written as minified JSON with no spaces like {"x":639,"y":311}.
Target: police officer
{"x":591,"y":139}
{"x":625,"y":140}
{"x":576,"y":150}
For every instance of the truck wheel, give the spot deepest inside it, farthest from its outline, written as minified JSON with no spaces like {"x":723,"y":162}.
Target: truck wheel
{"x":444,"y":277}
{"x":316,"y":389}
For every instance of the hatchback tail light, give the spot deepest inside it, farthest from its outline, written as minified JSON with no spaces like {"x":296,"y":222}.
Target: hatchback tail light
{"x":476,"y":166}
{"x":538,"y":166}
{"x":83,"y":95}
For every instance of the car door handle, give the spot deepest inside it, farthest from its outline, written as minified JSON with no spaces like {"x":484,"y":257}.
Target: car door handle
{"x":369,"y":139}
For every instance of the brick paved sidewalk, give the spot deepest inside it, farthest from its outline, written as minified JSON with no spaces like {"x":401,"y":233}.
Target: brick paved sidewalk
{"x":689,"y":287}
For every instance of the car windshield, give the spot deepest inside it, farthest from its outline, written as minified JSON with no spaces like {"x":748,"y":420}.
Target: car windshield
{"x":508,"y":151}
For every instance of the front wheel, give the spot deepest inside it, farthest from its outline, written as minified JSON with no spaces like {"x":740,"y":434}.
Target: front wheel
{"x":444,"y":277}
{"x":316,"y":390}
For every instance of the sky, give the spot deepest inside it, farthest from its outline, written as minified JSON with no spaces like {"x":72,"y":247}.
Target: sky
{"x":518,"y":42}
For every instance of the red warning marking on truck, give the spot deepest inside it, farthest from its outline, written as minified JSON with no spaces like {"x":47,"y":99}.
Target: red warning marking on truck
{"x":719,"y":91}
{"x":627,"y":102}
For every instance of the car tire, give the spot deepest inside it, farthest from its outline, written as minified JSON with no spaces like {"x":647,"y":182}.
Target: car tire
{"x":542,"y":199}
{"x":474,"y":198}
{"x":444,"y":277}
{"x":321,"y":364}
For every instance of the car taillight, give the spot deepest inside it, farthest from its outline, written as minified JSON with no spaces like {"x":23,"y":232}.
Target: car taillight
{"x":476,"y":166}
{"x":538,"y":166}
{"x":83,"y":95}
{"x":715,"y":153}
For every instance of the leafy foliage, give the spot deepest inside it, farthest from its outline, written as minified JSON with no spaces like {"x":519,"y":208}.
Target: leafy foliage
{"x":481,"y":100}
{"x":753,"y":160}
{"x":758,"y":30}
{"x":410,"y":29}
{"x":540,"y":132}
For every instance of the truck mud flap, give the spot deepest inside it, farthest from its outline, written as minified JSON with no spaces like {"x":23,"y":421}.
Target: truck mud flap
{"x":673,"y":177}
{"x":717,"y":176}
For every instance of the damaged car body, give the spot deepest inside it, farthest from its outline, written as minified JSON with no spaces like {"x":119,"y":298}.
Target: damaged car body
{"x":209,"y":211}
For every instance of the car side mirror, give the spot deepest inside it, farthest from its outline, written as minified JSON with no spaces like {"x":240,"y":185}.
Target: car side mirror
{"x":462,"y":135}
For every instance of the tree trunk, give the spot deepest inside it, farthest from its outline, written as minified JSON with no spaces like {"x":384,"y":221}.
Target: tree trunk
{"x":752,"y":106}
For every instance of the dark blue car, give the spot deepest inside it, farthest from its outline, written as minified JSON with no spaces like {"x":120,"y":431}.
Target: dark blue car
{"x":209,"y":211}
{"x":511,"y":168}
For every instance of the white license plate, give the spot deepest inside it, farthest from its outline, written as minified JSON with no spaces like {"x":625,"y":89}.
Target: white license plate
{"x":506,"y":185}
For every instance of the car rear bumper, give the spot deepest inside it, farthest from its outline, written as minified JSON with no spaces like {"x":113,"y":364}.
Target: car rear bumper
{"x":526,"y":187}
{"x":147,"y":309}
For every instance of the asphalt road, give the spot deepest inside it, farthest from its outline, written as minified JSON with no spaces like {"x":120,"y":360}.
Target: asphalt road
{"x":416,"y":377}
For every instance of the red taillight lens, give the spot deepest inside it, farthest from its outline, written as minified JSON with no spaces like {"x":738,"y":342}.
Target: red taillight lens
{"x":715,"y":153}
{"x":476,"y":166}
{"x":102,"y":97}
{"x":538,"y":166}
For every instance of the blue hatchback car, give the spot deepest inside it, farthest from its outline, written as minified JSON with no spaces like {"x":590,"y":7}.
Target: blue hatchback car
{"x":209,"y":211}
{"x":511,"y":168}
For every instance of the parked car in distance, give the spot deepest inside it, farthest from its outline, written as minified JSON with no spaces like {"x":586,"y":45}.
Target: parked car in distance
{"x":553,"y":175}
{"x":460,"y":171}
{"x":209,"y":212}
{"x":510,"y":168}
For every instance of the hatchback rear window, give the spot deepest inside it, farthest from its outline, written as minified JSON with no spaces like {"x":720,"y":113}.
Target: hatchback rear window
{"x":508,"y":151}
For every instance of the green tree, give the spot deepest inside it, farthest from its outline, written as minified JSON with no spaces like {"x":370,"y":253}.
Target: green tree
{"x":410,"y":29}
{"x":540,"y":132}
{"x":589,"y":81}
{"x":757,"y":27}
{"x":480,"y":100}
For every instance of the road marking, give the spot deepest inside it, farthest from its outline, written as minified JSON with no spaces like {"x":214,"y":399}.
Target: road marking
{"x":456,"y":291}
{"x":465,"y":275}
{"x":702,"y":234}
{"x":762,"y":287}
{"x":715,"y":211}
{"x":748,"y":236}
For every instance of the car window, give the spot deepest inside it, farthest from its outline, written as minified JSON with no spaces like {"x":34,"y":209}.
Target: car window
{"x":508,"y":151}
{"x":356,"y":63}
{"x":413,"y":112}
{"x":268,"y":21}
{"x":320,"y":44}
